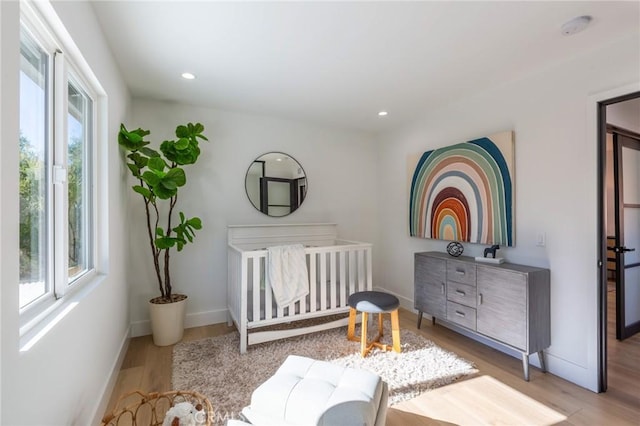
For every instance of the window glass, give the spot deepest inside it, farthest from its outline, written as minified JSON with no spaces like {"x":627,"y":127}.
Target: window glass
{"x":79,"y":179}
{"x":34,"y":155}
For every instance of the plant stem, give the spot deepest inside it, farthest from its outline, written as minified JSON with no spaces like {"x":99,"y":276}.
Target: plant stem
{"x":154,"y":251}
{"x":167,"y":277}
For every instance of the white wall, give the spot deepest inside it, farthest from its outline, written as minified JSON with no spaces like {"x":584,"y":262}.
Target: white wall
{"x":341,"y":172}
{"x":552,"y":114}
{"x":62,"y":378}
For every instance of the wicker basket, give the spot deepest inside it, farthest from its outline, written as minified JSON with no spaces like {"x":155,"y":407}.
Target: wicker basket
{"x":149,"y":409}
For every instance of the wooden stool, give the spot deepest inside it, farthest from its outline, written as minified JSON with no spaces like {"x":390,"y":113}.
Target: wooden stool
{"x":373,"y":302}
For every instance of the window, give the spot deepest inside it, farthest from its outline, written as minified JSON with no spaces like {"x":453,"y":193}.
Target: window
{"x":34,"y":153}
{"x":79,"y":179}
{"x":56,"y":145}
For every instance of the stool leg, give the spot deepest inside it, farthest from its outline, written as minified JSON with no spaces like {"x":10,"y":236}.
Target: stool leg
{"x":380,"y":326}
{"x":395,"y":330}
{"x":363,"y":339}
{"x":351,"y":329}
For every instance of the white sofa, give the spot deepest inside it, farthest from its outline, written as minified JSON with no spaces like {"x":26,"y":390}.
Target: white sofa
{"x":308,"y":392}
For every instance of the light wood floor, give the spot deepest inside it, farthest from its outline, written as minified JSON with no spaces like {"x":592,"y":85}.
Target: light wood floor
{"x":496,"y":395}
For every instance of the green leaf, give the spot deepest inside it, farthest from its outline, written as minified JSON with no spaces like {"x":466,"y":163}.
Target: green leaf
{"x":133,"y":137}
{"x":132,"y":140}
{"x":198,"y":128}
{"x":143,"y":191}
{"x":150,"y":152}
{"x":156,"y":163}
{"x":181,"y":144}
{"x":165,"y":242}
{"x":195,"y":222}
{"x":135,"y":170}
{"x":169,"y":184}
{"x":182,"y":131}
{"x":163,"y":192}
{"x":177,"y":175}
{"x":151,"y":178}
{"x":160,"y":231}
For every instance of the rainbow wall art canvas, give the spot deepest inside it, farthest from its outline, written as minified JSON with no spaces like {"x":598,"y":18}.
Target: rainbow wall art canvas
{"x":464,"y":192}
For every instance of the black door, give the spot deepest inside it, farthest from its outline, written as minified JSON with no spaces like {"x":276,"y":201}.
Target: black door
{"x":626,"y":169}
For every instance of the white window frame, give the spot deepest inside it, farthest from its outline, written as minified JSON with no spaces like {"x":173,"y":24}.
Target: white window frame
{"x":66,"y":64}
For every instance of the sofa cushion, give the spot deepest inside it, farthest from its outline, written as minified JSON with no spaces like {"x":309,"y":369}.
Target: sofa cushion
{"x":308,"y":392}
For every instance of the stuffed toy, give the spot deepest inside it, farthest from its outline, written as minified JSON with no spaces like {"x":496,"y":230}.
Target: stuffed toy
{"x":184,"y":414}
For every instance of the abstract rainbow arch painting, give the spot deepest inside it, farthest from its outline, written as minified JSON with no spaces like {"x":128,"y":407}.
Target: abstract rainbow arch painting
{"x":464,"y":192}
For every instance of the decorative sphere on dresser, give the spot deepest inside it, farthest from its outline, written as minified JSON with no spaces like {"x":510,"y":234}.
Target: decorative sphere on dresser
{"x":455,"y":249}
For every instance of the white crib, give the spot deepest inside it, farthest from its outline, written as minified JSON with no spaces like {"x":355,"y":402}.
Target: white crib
{"x":337,"y":268}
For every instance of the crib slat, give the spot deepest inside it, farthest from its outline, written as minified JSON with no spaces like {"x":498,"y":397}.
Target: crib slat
{"x":255,"y":287}
{"x":361,"y":282}
{"x":280,"y":312}
{"x":312,"y":282}
{"x":244,"y":277}
{"x":268,"y":296}
{"x":343,"y":284}
{"x":303,"y":301}
{"x":323,"y":281}
{"x":369,"y":270}
{"x":332,"y":274}
{"x":352,"y":272}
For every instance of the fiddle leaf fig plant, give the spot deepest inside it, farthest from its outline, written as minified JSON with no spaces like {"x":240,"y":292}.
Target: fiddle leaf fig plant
{"x":160,"y":175}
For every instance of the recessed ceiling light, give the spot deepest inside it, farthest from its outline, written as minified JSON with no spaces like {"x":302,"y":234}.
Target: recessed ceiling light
{"x":382,"y":113}
{"x":575,"y":25}
{"x":188,"y":76}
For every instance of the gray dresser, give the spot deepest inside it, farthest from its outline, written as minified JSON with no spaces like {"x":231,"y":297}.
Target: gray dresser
{"x":505,"y":303}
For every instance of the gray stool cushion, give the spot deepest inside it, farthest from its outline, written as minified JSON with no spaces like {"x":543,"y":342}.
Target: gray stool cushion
{"x":373,"y":302}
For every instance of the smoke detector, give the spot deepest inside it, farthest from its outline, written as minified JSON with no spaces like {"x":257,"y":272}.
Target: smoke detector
{"x":575,"y":25}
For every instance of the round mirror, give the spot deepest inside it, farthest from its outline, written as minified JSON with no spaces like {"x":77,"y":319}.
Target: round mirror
{"x":276,"y":184}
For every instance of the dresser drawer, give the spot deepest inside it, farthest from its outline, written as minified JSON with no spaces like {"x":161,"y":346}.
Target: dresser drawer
{"x":461,"y":293}
{"x":461,"y":272}
{"x":462,"y":315}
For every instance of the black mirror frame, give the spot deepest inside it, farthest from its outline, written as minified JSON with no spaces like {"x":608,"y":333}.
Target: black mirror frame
{"x":297,"y":193}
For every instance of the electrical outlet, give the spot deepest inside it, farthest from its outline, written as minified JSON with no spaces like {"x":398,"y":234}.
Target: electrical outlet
{"x":541,"y":239}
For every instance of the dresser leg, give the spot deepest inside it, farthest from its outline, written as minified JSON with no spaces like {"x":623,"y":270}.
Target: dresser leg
{"x":419,"y":318}
{"x":543,"y":367}
{"x":525,"y":366}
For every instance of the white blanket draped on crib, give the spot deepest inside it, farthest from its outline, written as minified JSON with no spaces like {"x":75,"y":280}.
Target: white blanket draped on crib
{"x":287,"y":273}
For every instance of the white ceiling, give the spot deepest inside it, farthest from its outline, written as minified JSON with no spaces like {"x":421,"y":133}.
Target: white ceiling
{"x":339,"y":63}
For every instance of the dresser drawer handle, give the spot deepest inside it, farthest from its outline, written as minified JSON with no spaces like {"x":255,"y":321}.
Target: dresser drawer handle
{"x":461,"y":293}
{"x":460,"y":314}
{"x":459,"y":271}
{"x":442,"y":288}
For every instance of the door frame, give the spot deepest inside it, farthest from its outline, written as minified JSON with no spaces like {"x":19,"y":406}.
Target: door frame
{"x":602,"y":237}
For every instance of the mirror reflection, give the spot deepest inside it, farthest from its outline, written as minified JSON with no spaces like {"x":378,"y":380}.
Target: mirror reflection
{"x":276,"y":184}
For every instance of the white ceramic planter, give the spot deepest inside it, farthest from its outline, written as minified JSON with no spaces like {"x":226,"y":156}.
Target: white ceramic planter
{"x":167,"y":322}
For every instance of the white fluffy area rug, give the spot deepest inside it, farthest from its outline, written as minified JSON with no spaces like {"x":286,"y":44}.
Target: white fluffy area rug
{"x":215,"y":367}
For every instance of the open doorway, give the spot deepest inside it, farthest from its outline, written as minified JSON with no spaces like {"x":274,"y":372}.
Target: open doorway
{"x":619,"y":171}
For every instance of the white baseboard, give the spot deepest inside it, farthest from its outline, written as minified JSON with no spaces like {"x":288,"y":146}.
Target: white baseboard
{"x":197,"y":319}
{"x":111,"y":382}
{"x":570,"y":371}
